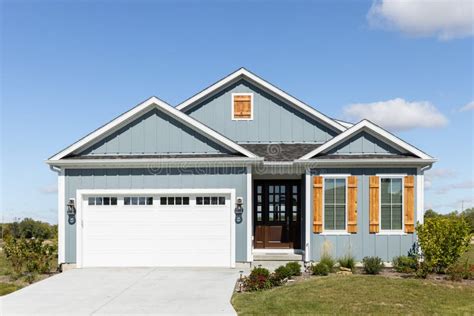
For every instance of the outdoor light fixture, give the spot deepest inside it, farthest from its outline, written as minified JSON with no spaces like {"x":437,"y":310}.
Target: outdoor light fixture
{"x":239,"y":210}
{"x":71,"y":211}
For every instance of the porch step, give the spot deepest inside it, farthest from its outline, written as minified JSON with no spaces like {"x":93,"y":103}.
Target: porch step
{"x":276,"y":256}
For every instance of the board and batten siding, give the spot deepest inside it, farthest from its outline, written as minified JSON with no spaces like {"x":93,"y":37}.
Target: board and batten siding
{"x":154,"y":132}
{"x":166,"y":178}
{"x":362,"y":243}
{"x":273,"y":120}
{"x":363,"y":143}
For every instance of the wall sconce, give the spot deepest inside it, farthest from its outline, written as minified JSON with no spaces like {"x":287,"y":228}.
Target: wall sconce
{"x":71,"y":211}
{"x":239,"y":210}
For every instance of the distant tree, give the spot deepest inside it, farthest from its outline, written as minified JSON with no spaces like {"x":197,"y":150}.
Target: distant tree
{"x":30,"y":228}
{"x":430,"y":213}
{"x":468,"y":215}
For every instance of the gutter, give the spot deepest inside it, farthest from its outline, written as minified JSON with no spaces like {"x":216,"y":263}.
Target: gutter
{"x":367,"y":162}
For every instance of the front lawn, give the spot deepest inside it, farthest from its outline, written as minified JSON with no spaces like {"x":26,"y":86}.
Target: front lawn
{"x":7,"y":288}
{"x":359,"y":294}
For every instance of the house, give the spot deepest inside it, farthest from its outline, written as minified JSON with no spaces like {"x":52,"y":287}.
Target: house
{"x":239,"y":170}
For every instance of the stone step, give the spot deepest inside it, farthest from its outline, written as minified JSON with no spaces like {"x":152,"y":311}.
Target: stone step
{"x":277,"y":256}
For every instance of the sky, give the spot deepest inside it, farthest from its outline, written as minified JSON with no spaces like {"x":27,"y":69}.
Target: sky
{"x":68,"y":67}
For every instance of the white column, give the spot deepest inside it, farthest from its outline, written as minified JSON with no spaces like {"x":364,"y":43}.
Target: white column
{"x":307,"y":242}
{"x":249,"y":214}
{"x":420,"y":196}
{"x":61,"y":217}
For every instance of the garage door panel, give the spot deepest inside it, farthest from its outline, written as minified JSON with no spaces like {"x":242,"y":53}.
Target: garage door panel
{"x":155,"y":235}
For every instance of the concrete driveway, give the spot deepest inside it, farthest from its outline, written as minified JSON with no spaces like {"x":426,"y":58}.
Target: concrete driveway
{"x":127,"y":291}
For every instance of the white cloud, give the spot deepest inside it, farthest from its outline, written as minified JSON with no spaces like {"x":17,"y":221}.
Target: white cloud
{"x":444,"y":19}
{"x":439,"y":173}
{"x":468,"y":184}
{"x":49,"y":189}
{"x":468,"y":107}
{"x":397,"y":114}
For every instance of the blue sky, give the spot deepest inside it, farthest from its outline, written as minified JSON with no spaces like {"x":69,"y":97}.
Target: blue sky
{"x":69,"y":67}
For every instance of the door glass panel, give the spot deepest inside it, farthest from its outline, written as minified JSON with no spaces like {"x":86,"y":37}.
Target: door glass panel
{"x":270,"y":189}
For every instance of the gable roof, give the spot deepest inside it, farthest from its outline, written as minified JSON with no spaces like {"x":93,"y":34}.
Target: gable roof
{"x":140,"y":109}
{"x":268,"y":87}
{"x":366,"y":125}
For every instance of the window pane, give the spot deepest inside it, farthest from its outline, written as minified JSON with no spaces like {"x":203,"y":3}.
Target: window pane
{"x":141,"y":200}
{"x":134,"y":200}
{"x":186,"y":200}
{"x":385,"y":191}
{"x":98,"y":201}
{"x":397,"y":217}
{"x":179,"y":200}
{"x":106,"y":201}
{"x":163,"y":200}
{"x":295,"y":189}
{"x":397,"y":191}
{"x":340,"y":191}
{"x":328,"y":217}
{"x":113,"y":200}
{"x":91,"y":201}
{"x":259,"y":217}
{"x":170,"y":200}
{"x":126,"y":201}
{"x":329,"y":191}
{"x":207,"y":200}
{"x":221,"y":200}
{"x":149,"y":201}
{"x":340,"y":217}
{"x":277,"y":189}
{"x":199,"y":200}
{"x":282,"y":189}
{"x":214,"y":200}
{"x":270,"y":189}
{"x":259,"y":198}
{"x":259,"y":189}
{"x":385,"y":217}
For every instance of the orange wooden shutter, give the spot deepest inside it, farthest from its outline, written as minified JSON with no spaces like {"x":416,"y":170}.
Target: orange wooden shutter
{"x":242,"y":106}
{"x":374,"y":194}
{"x":352,"y":204}
{"x":409,"y":196}
{"x":317,"y":204}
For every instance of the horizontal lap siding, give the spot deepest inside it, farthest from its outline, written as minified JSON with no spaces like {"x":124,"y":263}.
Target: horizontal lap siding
{"x":362,"y":243}
{"x":168,"y":178}
{"x":273,"y":120}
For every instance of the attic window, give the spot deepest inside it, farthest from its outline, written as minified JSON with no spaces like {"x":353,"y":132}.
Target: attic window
{"x":242,"y":106}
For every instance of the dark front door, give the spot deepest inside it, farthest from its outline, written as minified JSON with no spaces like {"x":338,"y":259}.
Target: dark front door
{"x":277,"y":214}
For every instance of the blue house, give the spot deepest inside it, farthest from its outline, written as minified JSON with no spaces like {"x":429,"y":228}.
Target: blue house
{"x":239,"y":171}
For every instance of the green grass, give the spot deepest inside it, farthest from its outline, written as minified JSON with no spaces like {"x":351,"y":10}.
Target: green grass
{"x":6,"y":288}
{"x":359,"y":294}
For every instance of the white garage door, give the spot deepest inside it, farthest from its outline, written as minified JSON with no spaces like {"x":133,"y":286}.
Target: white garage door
{"x":167,"y":229}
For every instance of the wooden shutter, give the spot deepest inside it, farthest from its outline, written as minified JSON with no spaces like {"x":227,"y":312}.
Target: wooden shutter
{"x":352,"y":204}
{"x":242,"y":106}
{"x":317,"y":204}
{"x":409,"y":197}
{"x":374,"y":194}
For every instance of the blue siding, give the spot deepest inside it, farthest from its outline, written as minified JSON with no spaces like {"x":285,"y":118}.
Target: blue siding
{"x":229,"y":178}
{"x":154,"y":133}
{"x":363,"y":243}
{"x":363,"y":143}
{"x":273,"y":121}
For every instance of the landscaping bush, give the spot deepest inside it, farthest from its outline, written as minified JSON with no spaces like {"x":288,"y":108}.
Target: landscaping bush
{"x":443,"y":240}
{"x":294,"y":268}
{"x":372,"y":265}
{"x":459,"y":271}
{"x":258,"y":279}
{"x":405,"y":264}
{"x":15,"y":253}
{"x":423,"y":270}
{"x":283,"y":272}
{"x":328,"y":261}
{"x":320,"y":269}
{"x":347,"y":261}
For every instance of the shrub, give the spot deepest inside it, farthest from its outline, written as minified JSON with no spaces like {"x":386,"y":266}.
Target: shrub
{"x":423,"y":270}
{"x":443,"y":240}
{"x":15,"y":253}
{"x":459,"y":271}
{"x":328,"y":261}
{"x":294,"y":268}
{"x":283,"y":272}
{"x":405,"y":264}
{"x":258,"y":279}
{"x":347,"y":261}
{"x":372,"y":265}
{"x":320,"y":269}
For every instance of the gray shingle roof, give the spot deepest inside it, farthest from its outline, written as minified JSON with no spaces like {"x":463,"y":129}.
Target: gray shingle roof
{"x":280,"y":152}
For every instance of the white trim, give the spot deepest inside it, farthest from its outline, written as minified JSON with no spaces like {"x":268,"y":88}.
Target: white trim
{"x":328,"y":175}
{"x":420,"y":196}
{"x":140,"y":109}
{"x":307,"y":211}
{"x":249,"y":215}
{"x":391,"y":175}
{"x":337,"y":231}
{"x":373,"y":129}
{"x":251,"y":107}
{"x":345,"y":124}
{"x":79,"y":213}
{"x":278,"y":250}
{"x":61,"y":217}
{"x":390,"y":231}
{"x":365,"y":162}
{"x":266,"y":85}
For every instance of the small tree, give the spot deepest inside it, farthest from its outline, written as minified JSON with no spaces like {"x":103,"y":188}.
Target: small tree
{"x":443,"y":240}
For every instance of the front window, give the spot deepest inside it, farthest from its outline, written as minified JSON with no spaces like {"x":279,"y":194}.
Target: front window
{"x":335,"y":204}
{"x":391,"y":203}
